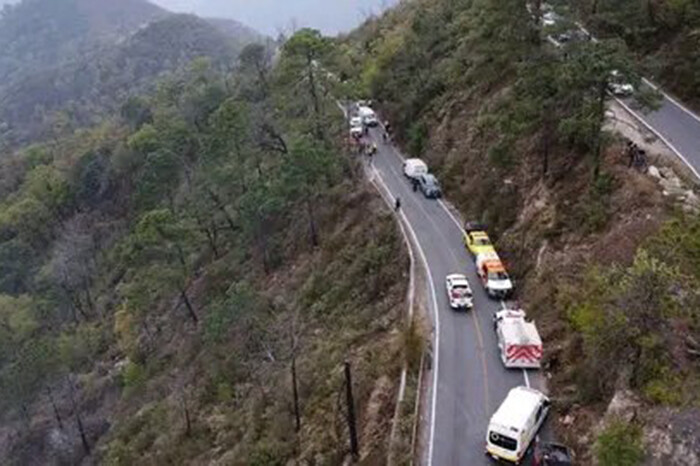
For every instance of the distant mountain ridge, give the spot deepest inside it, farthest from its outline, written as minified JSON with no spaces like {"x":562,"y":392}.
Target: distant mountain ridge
{"x":42,"y":33}
{"x":89,"y":54}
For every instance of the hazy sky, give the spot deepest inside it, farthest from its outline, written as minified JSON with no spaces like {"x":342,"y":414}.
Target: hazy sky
{"x":268,"y":16}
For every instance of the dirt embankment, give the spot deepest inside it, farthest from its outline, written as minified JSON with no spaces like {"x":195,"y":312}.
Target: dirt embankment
{"x":552,"y":228}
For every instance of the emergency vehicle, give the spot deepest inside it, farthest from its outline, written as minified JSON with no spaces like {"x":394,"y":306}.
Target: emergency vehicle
{"x":493,"y":275}
{"x":516,"y":423}
{"x":518,"y":340}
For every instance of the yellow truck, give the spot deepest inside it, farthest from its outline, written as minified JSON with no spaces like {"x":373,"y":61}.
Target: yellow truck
{"x":476,"y":239}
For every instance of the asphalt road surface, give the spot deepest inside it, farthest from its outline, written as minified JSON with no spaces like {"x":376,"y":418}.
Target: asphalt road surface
{"x":470,"y":379}
{"x":678,"y":126}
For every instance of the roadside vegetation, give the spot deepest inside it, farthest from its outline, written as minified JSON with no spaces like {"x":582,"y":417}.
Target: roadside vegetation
{"x":183,"y":282}
{"x":514,"y":128}
{"x":662,"y":35}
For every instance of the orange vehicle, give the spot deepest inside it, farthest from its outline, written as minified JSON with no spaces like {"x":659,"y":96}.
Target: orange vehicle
{"x":493,"y":275}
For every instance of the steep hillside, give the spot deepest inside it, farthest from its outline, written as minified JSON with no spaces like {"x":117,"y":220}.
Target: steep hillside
{"x":35,"y":34}
{"x":96,"y":81}
{"x":183,"y":283}
{"x":515,"y":131}
{"x":664,"y":36}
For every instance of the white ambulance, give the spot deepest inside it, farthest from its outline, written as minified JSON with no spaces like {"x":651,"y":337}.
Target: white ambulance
{"x":518,"y":340}
{"x":516,"y":423}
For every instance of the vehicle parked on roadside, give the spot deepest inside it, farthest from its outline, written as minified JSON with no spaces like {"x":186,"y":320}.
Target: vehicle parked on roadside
{"x":493,"y":275}
{"x":459,"y":292}
{"x":619,"y":86}
{"x":550,"y":18}
{"x":368,"y":116}
{"x":476,"y":239}
{"x":356,"y":127}
{"x":552,"y":454}
{"x":516,"y":422}
{"x":429,"y":186}
{"x":413,"y":168}
{"x":518,"y":340}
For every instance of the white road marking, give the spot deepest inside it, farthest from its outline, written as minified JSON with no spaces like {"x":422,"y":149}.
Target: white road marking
{"x":639,"y":118}
{"x":659,"y":135}
{"x":671,"y":99}
{"x":410,"y":298}
{"x":452,"y":216}
{"x":436,"y":348}
{"x":398,"y":155}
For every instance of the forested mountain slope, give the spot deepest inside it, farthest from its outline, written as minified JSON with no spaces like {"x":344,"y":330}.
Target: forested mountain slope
{"x":35,"y":34}
{"x":182,"y":283}
{"x":515,"y":131}
{"x":82,"y":58}
{"x":663,"y":34}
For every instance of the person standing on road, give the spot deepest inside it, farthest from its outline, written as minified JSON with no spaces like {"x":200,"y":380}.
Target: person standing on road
{"x":397,"y":204}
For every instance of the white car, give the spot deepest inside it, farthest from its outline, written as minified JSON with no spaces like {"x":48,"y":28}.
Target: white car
{"x":618,"y":86}
{"x":356,"y":131}
{"x":459,"y":293}
{"x":355,"y":122}
{"x":550,"y":18}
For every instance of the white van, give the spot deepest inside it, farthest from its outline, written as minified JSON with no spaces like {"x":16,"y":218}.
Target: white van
{"x":516,"y":422}
{"x":414,"y":168}
{"x":368,"y":116}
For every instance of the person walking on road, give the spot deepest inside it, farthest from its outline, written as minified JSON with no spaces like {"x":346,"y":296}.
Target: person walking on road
{"x":397,"y":204}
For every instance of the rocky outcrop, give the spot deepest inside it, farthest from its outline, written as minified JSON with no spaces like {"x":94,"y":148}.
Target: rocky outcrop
{"x":670,"y":436}
{"x":673,"y":187}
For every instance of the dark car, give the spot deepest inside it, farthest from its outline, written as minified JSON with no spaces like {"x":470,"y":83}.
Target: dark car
{"x":552,"y":454}
{"x":429,"y":186}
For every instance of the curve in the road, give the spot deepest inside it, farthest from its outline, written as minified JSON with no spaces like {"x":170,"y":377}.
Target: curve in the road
{"x":469,"y":379}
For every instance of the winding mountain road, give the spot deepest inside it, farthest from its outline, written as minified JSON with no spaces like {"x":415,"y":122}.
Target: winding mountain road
{"x":468,"y":379}
{"x":676,"y":125}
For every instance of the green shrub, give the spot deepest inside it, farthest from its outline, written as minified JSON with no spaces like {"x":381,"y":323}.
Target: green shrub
{"x":623,"y":316}
{"x":267,"y":453}
{"x":78,"y":348}
{"x":133,"y":377}
{"x":417,"y":139}
{"x":620,"y":444}
{"x":666,"y":389}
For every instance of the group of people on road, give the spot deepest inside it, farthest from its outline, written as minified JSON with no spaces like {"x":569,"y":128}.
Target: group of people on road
{"x":370,"y":149}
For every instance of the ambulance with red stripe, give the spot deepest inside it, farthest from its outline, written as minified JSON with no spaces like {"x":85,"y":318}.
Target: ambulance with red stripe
{"x":518,"y":340}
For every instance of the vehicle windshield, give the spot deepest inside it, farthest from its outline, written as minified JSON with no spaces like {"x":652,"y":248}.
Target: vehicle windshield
{"x":430,"y":180}
{"x":460,"y":291}
{"x":498,"y":275}
{"x":482,"y":241}
{"x":503,"y":441}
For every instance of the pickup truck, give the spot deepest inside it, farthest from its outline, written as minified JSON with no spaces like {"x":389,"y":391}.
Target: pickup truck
{"x":476,"y":239}
{"x":493,"y":275}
